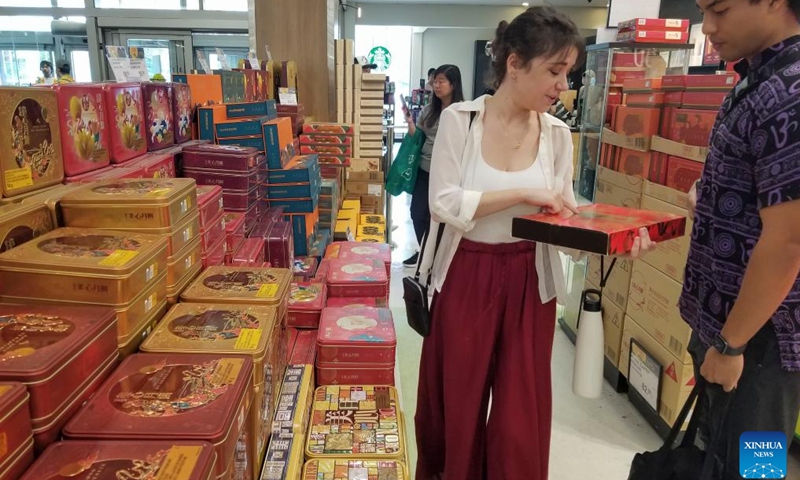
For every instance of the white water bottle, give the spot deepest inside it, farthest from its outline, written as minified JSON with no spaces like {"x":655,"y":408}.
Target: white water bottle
{"x":587,"y":376}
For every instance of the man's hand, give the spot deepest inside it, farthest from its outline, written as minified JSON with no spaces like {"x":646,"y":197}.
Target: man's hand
{"x":692,"y":200}
{"x":722,"y":370}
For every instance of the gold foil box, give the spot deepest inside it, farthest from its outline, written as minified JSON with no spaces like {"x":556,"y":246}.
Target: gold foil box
{"x":30,"y":140}
{"x":131,"y":203}
{"x":83,"y":265}
{"x":178,"y":236}
{"x":51,"y":198}
{"x":179,"y":265}
{"x":20,"y":224}
{"x":241,"y":285}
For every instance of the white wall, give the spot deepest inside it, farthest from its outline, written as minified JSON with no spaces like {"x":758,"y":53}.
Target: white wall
{"x":455,"y":46}
{"x":475,"y":16}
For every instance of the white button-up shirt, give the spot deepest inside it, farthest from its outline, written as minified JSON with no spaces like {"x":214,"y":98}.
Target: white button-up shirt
{"x":454,"y":202}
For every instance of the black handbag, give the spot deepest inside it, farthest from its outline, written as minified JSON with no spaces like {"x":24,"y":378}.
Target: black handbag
{"x":415,"y":294}
{"x":686,"y":461}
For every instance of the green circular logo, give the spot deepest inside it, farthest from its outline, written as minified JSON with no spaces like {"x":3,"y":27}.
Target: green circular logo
{"x":380,"y":56}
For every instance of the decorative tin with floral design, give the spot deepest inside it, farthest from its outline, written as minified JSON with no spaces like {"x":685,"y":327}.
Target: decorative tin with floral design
{"x":130,"y":203}
{"x":114,"y":460}
{"x":30,"y":140}
{"x":344,"y":469}
{"x":160,"y":121}
{"x":182,"y":112}
{"x":22,"y":223}
{"x":365,"y":277}
{"x":241,"y":285}
{"x":93,"y":266}
{"x":359,"y":250}
{"x":85,"y":135}
{"x":356,"y":335}
{"x":175,"y":397}
{"x":126,"y":120}
{"x":306,"y":301}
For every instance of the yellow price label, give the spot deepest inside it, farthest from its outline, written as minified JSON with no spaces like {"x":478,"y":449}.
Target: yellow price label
{"x":179,"y":463}
{"x":248,"y":339}
{"x":119,"y":258}
{"x":268,"y":290}
{"x":19,"y":178}
{"x":227,"y":371}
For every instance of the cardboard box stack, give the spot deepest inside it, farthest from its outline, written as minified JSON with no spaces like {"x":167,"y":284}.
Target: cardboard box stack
{"x":369,"y":119}
{"x":651,"y":155}
{"x":236,"y":123}
{"x":348,"y":80}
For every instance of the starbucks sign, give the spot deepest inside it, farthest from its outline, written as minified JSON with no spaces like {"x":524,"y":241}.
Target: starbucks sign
{"x":380,"y":56}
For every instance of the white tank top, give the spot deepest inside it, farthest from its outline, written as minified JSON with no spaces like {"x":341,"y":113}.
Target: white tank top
{"x":496,"y":228}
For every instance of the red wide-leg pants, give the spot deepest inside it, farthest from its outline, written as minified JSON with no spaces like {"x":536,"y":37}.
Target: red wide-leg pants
{"x":490,"y":333}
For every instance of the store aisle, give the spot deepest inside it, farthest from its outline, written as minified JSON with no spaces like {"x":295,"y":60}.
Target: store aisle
{"x":605,"y":434}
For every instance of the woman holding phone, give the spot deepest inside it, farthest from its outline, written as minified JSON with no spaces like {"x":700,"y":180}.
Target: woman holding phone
{"x":447,"y":90}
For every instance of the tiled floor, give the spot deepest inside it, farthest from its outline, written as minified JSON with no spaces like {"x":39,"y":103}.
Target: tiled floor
{"x":591,"y":439}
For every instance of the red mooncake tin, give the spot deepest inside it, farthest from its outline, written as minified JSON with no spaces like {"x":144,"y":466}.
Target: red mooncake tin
{"x":357,"y":278}
{"x":125,"y":121}
{"x":209,"y":202}
{"x":356,"y":335}
{"x":306,"y":301}
{"x":15,"y":430}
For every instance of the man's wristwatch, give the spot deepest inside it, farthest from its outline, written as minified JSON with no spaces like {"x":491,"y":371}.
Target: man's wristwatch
{"x":721,"y":345}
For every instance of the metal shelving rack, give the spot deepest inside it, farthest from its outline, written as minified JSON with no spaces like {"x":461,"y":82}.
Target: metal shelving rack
{"x":594,"y":101}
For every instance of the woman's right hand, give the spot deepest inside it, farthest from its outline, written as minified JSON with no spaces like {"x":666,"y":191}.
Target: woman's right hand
{"x":551,"y":201}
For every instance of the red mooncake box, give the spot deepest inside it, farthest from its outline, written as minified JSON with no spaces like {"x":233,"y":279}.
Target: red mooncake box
{"x":158,"y":109}
{"x":156,"y":165}
{"x":356,"y":335}
{"x":356,"y":302}
{"x":361,"y":374}
{"x":601,"y":229}
{"x":125,"y":121}
{"x":55,"y":352}
{"x":692,"y":127}
{"x":222,"y":157}
{"x":305,"y":268}
{"x":304,"y":350}
{"x":114,"y":460}
{"x":182,"y":111}
{"x":214,"y":256}
{"x":357,"y":250}
{"x":280,"y":245}
{"x":241,"y":201}
{"x":213,"y":232}
{"x":306,"y":301}
{"x":250,"y":253}
{"x":682,"y":173}
{"x":16,"y":453}
{"x":209,"y":202}
{"x":357,"y":278}
{"x":227,"y":179}
{"x":234,"y":230}
{"x":175,"y":397}
{"x":85,"y":137}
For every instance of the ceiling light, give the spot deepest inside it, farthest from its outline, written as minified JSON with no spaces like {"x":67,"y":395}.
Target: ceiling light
{"x":526,"y":4}
{"x":359,"y":12}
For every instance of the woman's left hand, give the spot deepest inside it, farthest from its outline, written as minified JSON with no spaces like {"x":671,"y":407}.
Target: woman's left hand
{"x":642,"y":245}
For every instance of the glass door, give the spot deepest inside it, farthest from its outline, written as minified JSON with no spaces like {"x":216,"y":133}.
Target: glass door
{"x":163,"y":54}
{"x":79,"y":63}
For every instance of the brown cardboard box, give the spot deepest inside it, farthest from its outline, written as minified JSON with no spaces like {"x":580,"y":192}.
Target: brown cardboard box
{"x":340,"y":57}
{"x":364,"y":165}
{"x":371,"y":103}
{"x":634,"y":184}
{"x":666,"y":194}
{"x":677,"y":379}
{"x":340,"y":77}
{"x":619,"y":282}
{"x":653,"y":303}
{"x":348,"y":76}
{"x":371,"y":112}
{"x":349,"y":51}
{"x":340,"y":105}
{"x":370,"y":120}
{"x":373,"y":95}
{"x":669,"y":257}
{"x":357,"y":73}
{"x":611,"y":194}
{"x":370,"y":145}
{"x":371,"y":176}
{"x":613,"y":325}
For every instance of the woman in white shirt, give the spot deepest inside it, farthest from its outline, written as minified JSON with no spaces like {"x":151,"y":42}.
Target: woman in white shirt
{"x":494,"y":308}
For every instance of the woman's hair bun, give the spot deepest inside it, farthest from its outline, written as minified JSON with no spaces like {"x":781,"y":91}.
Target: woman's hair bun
{"x":501,"y":30}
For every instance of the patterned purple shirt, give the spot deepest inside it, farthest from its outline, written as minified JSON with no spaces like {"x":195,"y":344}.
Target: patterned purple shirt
{"x":753,"y":163}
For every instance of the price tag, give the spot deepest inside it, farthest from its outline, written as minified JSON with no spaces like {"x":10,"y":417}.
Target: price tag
{"x":287,"y":96}
{"x":268,"y":290}
{"x":223,"y":60}
{"x":645,"y":374}
{"x":129,"y":69}
{"x":254,"y":62}
{"x":201,"y":57}
{"x":179,"y":463}
{"x":248,"y":339}
{"x":19,"y":178}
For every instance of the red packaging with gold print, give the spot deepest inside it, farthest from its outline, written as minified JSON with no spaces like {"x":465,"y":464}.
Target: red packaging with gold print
{"x":358,"y":250}
{"x":53,"y":351}
{"x":160,"y":121}
{"x":126,"y":120}
{"x":112,"y":460}
{"x":85,"y":132}
{"x":176,"y":397}
{"x":16,"y":448}
{"x":209,"y":202}
{"x":306,"y":301}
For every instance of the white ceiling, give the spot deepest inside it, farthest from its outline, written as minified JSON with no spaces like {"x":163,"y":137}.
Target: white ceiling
{"x":499,"y":3}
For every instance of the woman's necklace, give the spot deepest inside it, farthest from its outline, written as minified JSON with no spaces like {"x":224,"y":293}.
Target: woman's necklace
{"x":517,"y":145}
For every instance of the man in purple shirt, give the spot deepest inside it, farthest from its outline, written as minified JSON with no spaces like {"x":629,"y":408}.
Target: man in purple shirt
{"x":741,"y":292}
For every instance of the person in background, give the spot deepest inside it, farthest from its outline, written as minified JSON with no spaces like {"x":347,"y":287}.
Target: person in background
{"x":431,"y":76}
{"x":447,"y":89}
{"x":494,"y":307}
{"x":47,"y":77}
{"x":559,"y":110}
{"x":64,"y":72}
{"x":741,"y":293}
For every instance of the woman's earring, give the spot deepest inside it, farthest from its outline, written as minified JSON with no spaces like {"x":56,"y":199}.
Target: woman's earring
{"x":513,"y":77}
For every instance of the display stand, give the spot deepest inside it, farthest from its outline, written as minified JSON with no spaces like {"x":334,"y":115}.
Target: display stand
{"x":388,"y":159}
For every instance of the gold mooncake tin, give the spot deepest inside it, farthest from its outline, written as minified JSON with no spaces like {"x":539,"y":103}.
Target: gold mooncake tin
{"x":131,"y":203}
{"x":174,"y":293}
{"x":179,"y":265}
{"x":20,"y":224}
{"x":51,"y":198}
{"x":178,"y":235}
{"x":130,"y":317}
{"x":242,"y":286}
{"x":134,"y":341}
{"x":83,"y":265}
{"x":30,"y":157}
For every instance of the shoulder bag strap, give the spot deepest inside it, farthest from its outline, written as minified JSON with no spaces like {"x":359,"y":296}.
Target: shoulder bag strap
{"x":441,"y":228}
